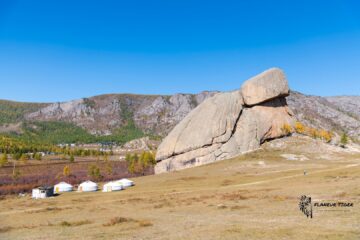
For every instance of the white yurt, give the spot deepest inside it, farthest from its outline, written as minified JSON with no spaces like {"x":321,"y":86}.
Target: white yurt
{"x":126,"y":182}
{"x":88,"y":186}
{"x":63,"y":187}
{"x":112,"y":186}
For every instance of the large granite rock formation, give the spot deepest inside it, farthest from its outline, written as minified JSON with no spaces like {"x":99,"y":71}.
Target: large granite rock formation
{"x":228,"y":124}
{"x":264,"y":87}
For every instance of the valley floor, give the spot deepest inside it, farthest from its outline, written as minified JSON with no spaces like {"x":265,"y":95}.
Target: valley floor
{"x":254,"y":196}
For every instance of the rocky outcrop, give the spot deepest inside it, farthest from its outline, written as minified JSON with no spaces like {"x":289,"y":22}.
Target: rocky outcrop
{"x":228,"y":124}
{"x":210,"y":123}
{"x":266,"y":86}
{"x":141,"y":144}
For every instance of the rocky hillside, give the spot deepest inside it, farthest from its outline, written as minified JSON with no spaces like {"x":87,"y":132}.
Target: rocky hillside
{"x":338,"y":114}
{"x":104,"y":114}
{"x":157,"y":115}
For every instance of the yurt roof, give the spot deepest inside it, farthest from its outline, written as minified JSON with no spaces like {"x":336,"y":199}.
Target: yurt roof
{"x":90,"y":183}
{"x":114,"y":184}
{"x":63,"y":184}
{"x":125,"y":180}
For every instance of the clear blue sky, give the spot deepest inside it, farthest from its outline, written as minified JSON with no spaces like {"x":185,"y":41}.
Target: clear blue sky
{"x":62,"y":50}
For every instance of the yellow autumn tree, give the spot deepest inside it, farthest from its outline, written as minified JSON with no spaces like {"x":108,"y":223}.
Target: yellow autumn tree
{"x":299,"y":127}
{"x":312,"y":132}
{"x":286,"y":129}
{"x":325,"y":135}
{"x":3,"y":159}
{"x":66,"y":171}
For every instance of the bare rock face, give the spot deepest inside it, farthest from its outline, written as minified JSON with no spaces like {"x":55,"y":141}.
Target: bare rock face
{"x":211,"y":122}
{"x":266,"y":86}
{"x":224,"y":126}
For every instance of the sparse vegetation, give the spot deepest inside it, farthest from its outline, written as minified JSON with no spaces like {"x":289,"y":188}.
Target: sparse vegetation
{"x":121,"y":220}
{"x":138,"y":164}
{"x":3,"y":159}
{"x":12,"y":112}
{"x":5,"y":229}
{"x":72,"y":158}
{"x":322,"y":134}
{"x":66,"y":171}
{"x":117,"y":220}
{"x":37,"y":156}
{"x":145,"y":223}
{"x":15,"y":174}
{"x":299,"y":128}
{"x":94,"y":172}
{"x":344,"y":140}
{"x":287,"y":129}
{"x":325,"y":135}
{"x":89,"y":103}
{"x":74,"y":224}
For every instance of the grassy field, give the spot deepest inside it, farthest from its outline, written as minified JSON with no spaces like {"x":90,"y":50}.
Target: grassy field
{"x":254,"y":196}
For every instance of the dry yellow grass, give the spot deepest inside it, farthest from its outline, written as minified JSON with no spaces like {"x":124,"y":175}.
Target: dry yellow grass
{"x":233,"y":199}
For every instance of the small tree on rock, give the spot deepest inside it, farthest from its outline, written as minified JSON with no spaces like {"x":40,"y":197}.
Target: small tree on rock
{"x":286,"y":129}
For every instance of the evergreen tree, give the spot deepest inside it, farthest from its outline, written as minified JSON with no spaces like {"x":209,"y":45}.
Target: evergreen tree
{"x":37,"y":156}
{"x":24,"y":158}
{"x":344,"y":140}
{"x":72,"y":158}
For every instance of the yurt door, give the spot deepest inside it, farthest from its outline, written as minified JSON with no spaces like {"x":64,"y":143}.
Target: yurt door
{"x":108,"y":188}
{"x":57,"y":189}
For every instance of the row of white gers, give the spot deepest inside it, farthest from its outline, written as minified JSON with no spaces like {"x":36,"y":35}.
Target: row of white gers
{"x":89,"y":186}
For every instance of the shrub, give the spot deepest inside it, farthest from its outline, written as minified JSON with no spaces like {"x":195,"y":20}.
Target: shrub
{"x":94,"y":172}
{"x":312,"y":132}
{"x":72,"y":224}
{"x":16,"y":174}
{"x":344,"y":140}
{"x":117,"y":220}
{"x":24,"y":158}
{"x":145,"y":223}
{"x":286,"y":129}
{"x":299,"y":127}
{"x":72,"y":158}
{"x":37,"y":156}
{"x":3,"y":159}
{"x":16,"y":156}
{"x":325,"y":135}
